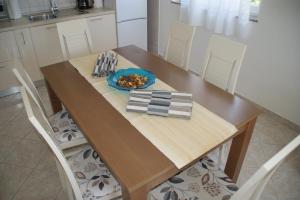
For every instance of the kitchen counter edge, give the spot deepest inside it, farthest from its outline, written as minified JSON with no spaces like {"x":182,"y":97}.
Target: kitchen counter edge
{"x":64,"y":15}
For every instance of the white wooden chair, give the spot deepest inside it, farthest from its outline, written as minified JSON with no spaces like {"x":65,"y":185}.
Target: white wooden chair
{"x":223,"y":62}
{"x":67,"y":134}
{"x":206,"y":181}
{"x":84,"y":171}
{"x":75,"y":38}
{"x":221,"y":68}
{"x":179,"y":44}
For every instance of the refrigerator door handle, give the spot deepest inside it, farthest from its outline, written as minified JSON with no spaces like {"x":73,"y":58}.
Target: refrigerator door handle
{"x":128,"y":20}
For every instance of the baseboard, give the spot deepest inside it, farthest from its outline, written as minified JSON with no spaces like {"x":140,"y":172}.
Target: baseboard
{"x":279,"y":117}
{"x":16,"y":89}
{"x":9,"y":91}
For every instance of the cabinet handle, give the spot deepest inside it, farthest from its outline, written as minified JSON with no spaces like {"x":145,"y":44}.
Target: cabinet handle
{"x":24,"y":42}
{"x":96,"y":19}
{"x":50,"y":27}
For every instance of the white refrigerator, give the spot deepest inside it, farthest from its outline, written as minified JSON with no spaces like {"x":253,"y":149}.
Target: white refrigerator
{"x":131,"y":17}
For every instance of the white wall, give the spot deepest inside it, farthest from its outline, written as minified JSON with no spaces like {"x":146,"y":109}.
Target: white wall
{"x":169,"y":12}
{"x":270,"y":74}
{"x":152,"y":26}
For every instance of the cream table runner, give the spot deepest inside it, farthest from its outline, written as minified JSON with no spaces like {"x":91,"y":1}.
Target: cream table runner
{"x":182,"y":141}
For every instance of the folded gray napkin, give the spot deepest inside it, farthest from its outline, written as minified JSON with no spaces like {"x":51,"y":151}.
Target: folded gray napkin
{"x":162,"y":103}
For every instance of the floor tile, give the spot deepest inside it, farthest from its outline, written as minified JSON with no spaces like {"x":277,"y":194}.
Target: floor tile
{"x":11,"y":179}
{"x":269,"y":195}
{"x":62,"y":195}
{"x":10,"y":100}
{"x":254,"y":156}
{"x":40,"y":185}
{"x":27,"y":153}
{"x":269,"y":150}
{"x":34,"y":135}
{"x":245,"y":174}
{"x":292,"y":162}
{"x":47,"y":162}
{"x":7,"y":114}
{"x":28,"y":170}
{"x":18,"y":127}
{"x":267,"y":134}
{"x":287,"y":183}
{"x":7,"y":145}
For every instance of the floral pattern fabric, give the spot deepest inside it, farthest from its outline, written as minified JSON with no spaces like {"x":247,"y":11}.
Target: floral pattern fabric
{"x":202,"y":181}
{"x":93,"y":177}
{"x":64,"y":128}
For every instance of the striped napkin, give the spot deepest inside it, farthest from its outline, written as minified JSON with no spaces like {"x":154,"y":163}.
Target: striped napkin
{"x":161,"y":102}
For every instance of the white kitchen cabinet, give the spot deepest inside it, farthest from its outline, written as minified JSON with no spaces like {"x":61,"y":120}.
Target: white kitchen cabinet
{"x":39,"y":46}
{"x":27,"y":54}
{"x":103,"y":32}
{"x":9,"y":58}
{"x":8,"y":47}
{"x":46,"y":44}
{"x":7,"y":77}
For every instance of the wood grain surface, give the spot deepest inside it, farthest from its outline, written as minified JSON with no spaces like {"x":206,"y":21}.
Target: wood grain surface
{"x":181,"y":140}
{"x":133,"y":160}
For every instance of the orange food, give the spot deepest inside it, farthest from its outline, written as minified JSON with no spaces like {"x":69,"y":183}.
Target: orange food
{"x":132,"y":81}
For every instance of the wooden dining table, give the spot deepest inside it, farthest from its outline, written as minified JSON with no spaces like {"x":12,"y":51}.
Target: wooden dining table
{"x":134,"y":161}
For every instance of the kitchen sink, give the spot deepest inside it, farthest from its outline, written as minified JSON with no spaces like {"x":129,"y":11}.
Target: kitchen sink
{"x":41,"y":16}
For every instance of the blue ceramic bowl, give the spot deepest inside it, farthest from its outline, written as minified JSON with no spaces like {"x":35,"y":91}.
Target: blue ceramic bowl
{"x":113,"y":78}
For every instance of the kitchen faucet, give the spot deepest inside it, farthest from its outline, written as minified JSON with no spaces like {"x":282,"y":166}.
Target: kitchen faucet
{"x":54,"y":7}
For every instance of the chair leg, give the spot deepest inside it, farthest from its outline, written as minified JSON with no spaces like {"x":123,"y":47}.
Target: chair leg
{"x":220,"y":156}
{"x":64,"y":181}
{"x":223,"y":155}
{"x":69,"y":190}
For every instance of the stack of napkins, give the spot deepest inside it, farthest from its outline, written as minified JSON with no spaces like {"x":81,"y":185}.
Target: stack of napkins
{"x":162,"y":103}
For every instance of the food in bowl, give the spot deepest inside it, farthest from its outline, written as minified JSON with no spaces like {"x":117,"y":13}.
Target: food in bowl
{"x":132,"y":81}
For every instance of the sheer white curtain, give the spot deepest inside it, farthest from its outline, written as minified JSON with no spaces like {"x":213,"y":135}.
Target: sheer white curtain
{"x":222,"y":16}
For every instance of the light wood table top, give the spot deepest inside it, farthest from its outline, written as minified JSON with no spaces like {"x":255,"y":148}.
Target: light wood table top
{"x":133,"y":160}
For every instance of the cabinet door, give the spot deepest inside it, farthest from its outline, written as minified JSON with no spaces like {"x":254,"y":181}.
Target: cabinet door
{"x":7,"y":77}
{"x":46,"y":44}
{"x":8,"y":47}
{"x":28,"y":58}
{"x":103,"y":32}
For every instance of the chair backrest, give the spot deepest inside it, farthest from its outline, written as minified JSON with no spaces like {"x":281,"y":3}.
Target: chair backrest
{"x":223,"y":62}
{"x":253,"y":188}
{"x":179,"y":44}
{"x":41,"y":124}
{"x":75,"y":38}
{"x":28,"y":84}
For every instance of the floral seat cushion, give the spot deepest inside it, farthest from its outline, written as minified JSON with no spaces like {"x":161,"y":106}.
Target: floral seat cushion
{"x":64,"y":128}
{"x":93,"y":177}
{"x":202,"y":181}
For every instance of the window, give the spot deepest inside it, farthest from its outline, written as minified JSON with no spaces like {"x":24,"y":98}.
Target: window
{"x":254,"y":10}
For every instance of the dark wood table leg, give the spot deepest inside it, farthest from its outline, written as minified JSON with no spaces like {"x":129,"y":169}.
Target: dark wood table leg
{"x":139,"y":194}
{"x":54,"y":100}
{"x":238,"y":151}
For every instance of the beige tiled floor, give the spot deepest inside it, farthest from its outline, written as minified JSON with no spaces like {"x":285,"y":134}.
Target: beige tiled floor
{"x":28,"y":171}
